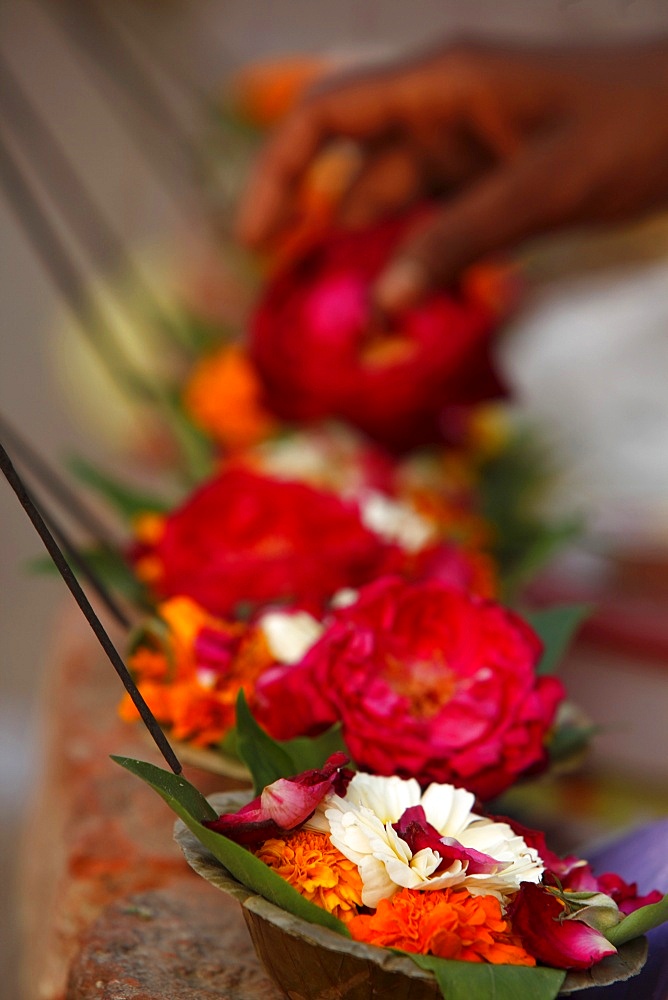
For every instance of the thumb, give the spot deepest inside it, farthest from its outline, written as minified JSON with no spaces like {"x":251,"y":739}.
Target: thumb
{"x":539,"y":189}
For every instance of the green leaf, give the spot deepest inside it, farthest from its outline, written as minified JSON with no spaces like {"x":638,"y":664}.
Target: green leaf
{"x":126,"y":500}
{"x":312,"y":752}
{"x":466,"y":980}
{"x":511,"y":488}
{"x":556,"y":627}
{"x":197,"y":451}
{"x":174,"y":788}
{"x":229,"y":744}
{"x":266,"y":759}
{"x":639,"y":922}
{"x":110,"y":567}
{"x":568,"y":741}
{"x":191,"y":806}
{"x":532,"y":548}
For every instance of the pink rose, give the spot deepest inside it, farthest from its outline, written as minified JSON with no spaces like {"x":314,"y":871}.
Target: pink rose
{"x":321,"y":352}
{"x":537,"y":916}
{"x":428,"y":682}
{"x":284,"y":804}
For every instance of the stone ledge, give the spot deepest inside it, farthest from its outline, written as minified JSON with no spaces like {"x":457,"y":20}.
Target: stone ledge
{"x":98,"y":853}
{"x":184,"y":941}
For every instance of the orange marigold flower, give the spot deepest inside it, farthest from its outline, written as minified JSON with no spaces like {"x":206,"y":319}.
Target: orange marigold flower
{"x":266,"y":90}
{"x":202,"y":717}
{"x":157,"y":697}
{"x":223,"y":396}
{"x":149,"y":664}
{"x":314,"y":867}
{"x":449,"y":923}
{"x":148,"y":527}
{"x":148,"y":569}
{"x":191,"y":677}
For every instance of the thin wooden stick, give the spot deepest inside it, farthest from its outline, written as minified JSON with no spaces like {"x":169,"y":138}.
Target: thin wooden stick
{"x":75,"y":556}
{"x":51,"y":480}
{"x":68,"y":277}
{"x":58,"y":489}
{"x":87,"y":609}
{"x":69,"y":193}
{"x":121,"y":69}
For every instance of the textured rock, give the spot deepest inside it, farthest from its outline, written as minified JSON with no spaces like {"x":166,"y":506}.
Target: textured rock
{"x":182,"y":942}
{"x":95,"y":834}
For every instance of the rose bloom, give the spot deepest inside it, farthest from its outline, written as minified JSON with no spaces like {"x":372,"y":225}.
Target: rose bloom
{"x":243,"y":537}
{"x":427,"y":681}
{"x":321,"y":352}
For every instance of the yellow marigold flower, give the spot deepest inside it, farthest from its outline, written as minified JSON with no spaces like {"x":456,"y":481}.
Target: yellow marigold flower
{"x":223,"y":396}
{"x":449,"y":923}
{"x":314,"y":867}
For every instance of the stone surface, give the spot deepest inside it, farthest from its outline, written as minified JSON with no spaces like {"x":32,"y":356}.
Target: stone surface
{"x":96,"y":834}
{"x":182,"y":942}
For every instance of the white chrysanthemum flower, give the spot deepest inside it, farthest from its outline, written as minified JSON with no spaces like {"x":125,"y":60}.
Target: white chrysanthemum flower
{"x":289,"y":635}
{"x":395,"y":521}
{"x":361,"y":827}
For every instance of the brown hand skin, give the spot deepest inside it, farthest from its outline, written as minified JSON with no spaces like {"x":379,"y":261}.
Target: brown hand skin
{"x":514,"y":143}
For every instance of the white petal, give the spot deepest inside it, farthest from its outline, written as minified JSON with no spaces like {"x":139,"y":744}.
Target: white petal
{"x":448,"y":808}
{"x":388,"y":798}
{"x":290,"y":635}
{"x":376,"y":883}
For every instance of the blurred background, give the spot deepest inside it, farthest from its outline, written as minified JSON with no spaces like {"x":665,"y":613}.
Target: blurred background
{"x":119,"y":91}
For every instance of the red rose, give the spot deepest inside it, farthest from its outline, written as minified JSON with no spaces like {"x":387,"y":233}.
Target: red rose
{"x":320,"y":352}
{"x":242,"y":537}
{"x":427,"y":681}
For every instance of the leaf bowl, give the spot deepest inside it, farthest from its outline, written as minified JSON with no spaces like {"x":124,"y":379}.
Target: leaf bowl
{"x":309,"y":962}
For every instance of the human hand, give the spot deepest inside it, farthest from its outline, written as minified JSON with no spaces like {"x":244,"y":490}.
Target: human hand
{"x":513,"y":142}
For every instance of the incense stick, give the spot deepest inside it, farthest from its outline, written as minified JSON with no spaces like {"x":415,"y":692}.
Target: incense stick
{"x":65,"y":272}
{"x":110,"y":57}
{"x":84,"y":567}
{"x":87,"y":609}
{"x":56,"y":486}
{"x":69,"y":193}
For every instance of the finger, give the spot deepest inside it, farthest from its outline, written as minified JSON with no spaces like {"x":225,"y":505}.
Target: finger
{"x":358,"y":110}
{"x":390,"y":180}
{"x":541,"y":188}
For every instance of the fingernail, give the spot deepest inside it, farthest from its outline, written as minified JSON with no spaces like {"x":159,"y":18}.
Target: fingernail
{"x":401,"y":284}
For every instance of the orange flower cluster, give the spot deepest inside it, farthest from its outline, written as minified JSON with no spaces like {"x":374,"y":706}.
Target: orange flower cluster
{"x":191,"y":675}
{"x":448,"y":923}
{"x":314,"y":867}
{"x":223,"y":396}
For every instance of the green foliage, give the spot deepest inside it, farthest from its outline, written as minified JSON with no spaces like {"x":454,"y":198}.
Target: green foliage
{"x":568,"y":741}
{"x":465,"y":980}
{"x":312,"y":751}
{"x":127,"y":501}
{"x":511,"y":486}
{"x":556,"y":626}
{"x":191,"y":806}
{"x":111,"y":569}
{"x":268,"y":759}
{"x":639,"y":922}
